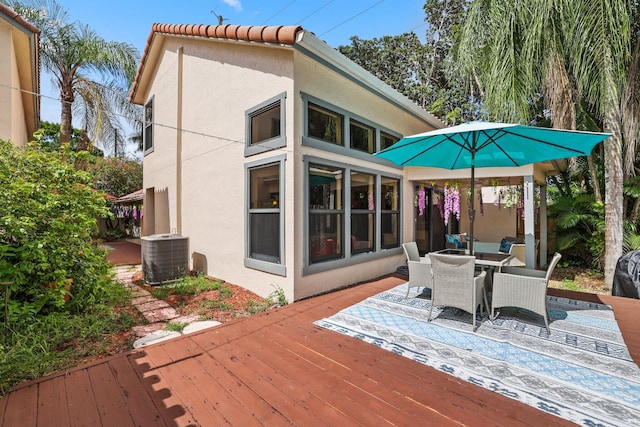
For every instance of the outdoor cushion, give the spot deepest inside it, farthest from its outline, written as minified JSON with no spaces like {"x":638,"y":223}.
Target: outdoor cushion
{"x":455,"y":239}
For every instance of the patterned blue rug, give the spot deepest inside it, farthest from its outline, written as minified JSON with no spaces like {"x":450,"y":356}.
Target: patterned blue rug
{"x":582,"y":372}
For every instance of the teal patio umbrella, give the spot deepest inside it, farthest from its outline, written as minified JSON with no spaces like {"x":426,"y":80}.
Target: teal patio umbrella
{"x":486,"y":144}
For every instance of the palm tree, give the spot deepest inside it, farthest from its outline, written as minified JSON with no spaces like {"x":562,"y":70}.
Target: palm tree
{"x":73,"y":53}
{"x":567,"y":50}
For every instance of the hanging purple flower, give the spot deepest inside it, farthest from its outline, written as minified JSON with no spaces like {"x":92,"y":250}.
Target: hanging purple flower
{"x":451,"y":202}
{"x":422,"y":203}
{"x":440,"y":204}
{"x":456,"y":201}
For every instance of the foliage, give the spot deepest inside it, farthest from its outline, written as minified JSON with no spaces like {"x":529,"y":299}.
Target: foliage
{"x":116,"y":177}
{"x":38,"y":345}
{"x":192,"y":285}
{"x":576,"y":54}
{"x":48,"y":136}
{"x":47,"y":218}
{"x":422,"y":72}
{"x":175,"y":326}
{"x":578,"y":220}
{"x":73,"y":53}
{"x":278,"y":296}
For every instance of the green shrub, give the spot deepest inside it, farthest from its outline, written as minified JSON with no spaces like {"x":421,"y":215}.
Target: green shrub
{"x":36,"y":344}
{"x":47,"y":219}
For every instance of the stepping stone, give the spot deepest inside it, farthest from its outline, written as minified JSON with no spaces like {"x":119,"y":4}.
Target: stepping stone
{"x":186,"y":319}
{"x":142,"y":330}
{"x":142,"y":300}
{"x":198,"y":326}
{"x":160,"y":314}
{"x":156,"y":337}
{"x":155,"y":304}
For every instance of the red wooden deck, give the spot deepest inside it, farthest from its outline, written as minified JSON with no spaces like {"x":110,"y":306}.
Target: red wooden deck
{"x":276,"y":368}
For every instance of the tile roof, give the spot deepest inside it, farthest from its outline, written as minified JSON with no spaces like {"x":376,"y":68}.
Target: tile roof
{"x":6,"y":10}
{"x":250,"y":33}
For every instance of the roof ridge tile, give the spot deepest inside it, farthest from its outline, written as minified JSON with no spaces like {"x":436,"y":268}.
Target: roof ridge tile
{"x":279,"y":34}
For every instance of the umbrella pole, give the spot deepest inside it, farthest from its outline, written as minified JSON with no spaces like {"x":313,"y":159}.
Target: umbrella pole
{"x":472,"y":211}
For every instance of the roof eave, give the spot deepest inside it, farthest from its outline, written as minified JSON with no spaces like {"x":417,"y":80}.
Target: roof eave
{"x":312,"y":46}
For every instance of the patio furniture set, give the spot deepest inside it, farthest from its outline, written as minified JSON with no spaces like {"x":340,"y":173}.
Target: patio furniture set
{"x":464,"y":281}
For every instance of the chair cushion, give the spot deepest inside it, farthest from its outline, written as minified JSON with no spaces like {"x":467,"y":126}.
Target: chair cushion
{"x":505,"y":245}
{"x":455,"y":239}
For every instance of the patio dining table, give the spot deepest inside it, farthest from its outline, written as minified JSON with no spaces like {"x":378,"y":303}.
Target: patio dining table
{"x":490,"y":262}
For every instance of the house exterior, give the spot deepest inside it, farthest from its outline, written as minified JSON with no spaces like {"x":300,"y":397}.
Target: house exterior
{"x":19,"y":78}
{"x":259,"y":147}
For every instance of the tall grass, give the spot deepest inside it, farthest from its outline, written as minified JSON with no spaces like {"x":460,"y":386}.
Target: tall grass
{"x":37,"y":345}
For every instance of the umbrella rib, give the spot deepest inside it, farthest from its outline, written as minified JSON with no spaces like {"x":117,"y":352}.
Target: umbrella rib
{"x":427,"y":149}
{"x":464,"y":146}
{"x":492,"y":140}
{"x":561,"y":147}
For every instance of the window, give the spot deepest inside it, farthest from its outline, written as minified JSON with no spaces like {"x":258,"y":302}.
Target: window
{"x":325,"y":124}
{"x":353,"y":215}
{"x":362,"y":137}
{"x":148,"y":127}
{"x":265,"y":124}
{"x":387,"y":140}
{"x":265,"y":128}
{"x":363,"y":208}
{"x":265,"y":238}
{"x":326,"y":229}
{"x":326,"y":129}
{"x":390,"y":212}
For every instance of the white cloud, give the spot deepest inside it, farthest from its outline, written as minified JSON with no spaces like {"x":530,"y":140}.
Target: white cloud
{"x":234,"y":4}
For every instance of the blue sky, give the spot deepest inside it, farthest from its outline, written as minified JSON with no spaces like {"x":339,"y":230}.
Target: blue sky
{"x":333,"y":21}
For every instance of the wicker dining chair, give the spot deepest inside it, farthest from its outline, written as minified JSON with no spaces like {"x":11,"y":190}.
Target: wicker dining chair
{"x":523,"y":288}
{"x":419,"y":268}
{"x":456,"y":285}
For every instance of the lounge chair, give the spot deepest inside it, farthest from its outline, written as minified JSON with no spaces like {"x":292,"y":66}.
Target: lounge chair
{"x":523,"y":288}
{"x":455,"y":284}
{"x":419,"y":268}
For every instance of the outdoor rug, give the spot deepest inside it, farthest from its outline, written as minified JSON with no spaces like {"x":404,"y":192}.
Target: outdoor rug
{"x":582,"y":372}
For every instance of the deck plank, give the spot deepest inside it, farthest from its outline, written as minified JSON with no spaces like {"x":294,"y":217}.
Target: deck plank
{"x":291,"y":400}
{"x":21,"y":407}
{"x":140,"y":403}
{"x":81,"y":402}
{"x":215,"y":396}
{"x":109,"y":400}
{"x":245,"y":398}
{"x":52,"y":404}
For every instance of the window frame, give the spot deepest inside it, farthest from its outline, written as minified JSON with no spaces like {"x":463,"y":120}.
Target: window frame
{"x":271,"y":143}
{"x":384,"y":134}
{"x":345,"y":148}
{"x":353,"y":123}
{"x":148,"y":146}
{"x":279,"y":269}
{"x":348,"y":258}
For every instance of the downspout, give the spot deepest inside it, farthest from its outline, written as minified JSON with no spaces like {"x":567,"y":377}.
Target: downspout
{"x":180,"y":53}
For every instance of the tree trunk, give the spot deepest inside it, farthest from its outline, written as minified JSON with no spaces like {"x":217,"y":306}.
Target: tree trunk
{"x":613,"y":172}
{"x":595,"y":183}
{"x":66,"y":95}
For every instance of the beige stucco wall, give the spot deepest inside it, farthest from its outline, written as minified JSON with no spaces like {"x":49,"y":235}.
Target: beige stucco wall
{"x":220,"y":81}
{"x":204,"y":87}
{"x":12,"y":116}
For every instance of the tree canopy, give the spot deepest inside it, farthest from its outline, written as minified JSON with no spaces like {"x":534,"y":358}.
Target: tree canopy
{"x":75,"y":55}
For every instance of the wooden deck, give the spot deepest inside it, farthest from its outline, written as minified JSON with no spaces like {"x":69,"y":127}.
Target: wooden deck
{"x":276,"y":368}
